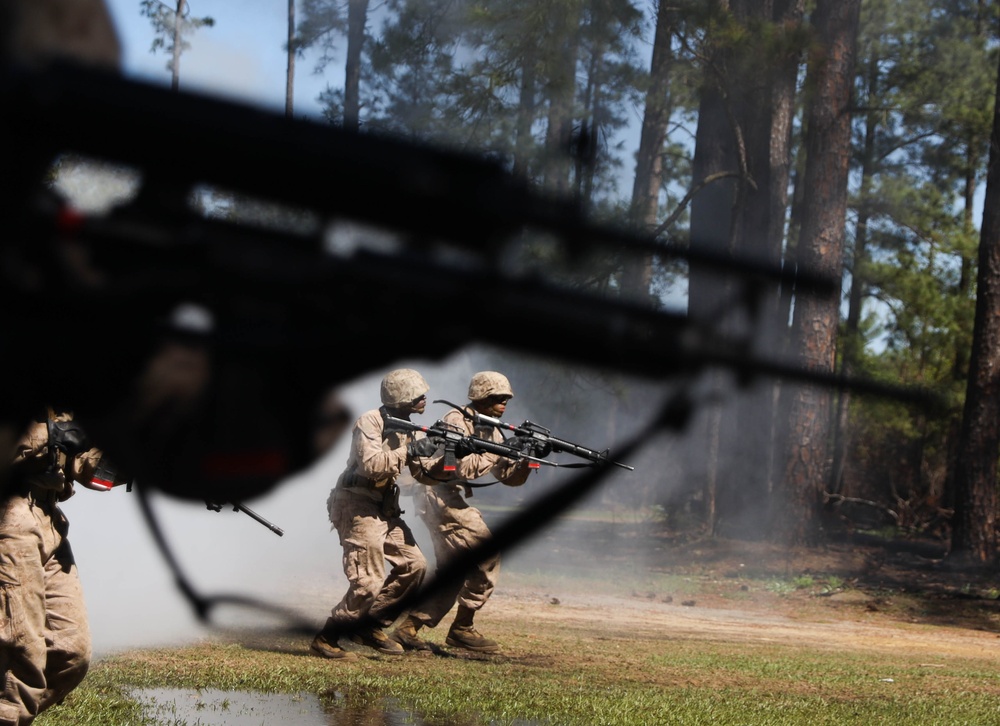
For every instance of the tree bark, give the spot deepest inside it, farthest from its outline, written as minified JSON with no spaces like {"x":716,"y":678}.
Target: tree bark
{"x":638,"y":273}
{"x":175,"y":63}
{"x":974,"y":537}
{"x":290,"y":69}
{"x":851,"y":353}
{"x":357,"y":16}
{"x":711,"y":231}
{"x":762,"y":83}
{"x":820,"y":249}
{"x":561,"y":92}
{"x":789,"y":15}
{"x":526,"y":109}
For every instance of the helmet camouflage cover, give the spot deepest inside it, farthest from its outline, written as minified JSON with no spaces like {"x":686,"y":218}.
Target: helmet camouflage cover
{"x":489,"y":383}
{"x":402,"y":386}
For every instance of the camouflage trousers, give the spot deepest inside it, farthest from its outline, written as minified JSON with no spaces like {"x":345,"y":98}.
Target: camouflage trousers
{"x":44,"y":636}
{"x":369,"y":540}
{"x":455,"y":527}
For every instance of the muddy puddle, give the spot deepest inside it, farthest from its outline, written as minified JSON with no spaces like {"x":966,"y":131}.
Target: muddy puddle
{"x":213,"y":707}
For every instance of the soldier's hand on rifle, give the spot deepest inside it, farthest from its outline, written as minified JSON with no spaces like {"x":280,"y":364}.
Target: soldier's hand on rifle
{"x":463,"y":448}
{"x":540,"y":449}
{"x":530,"y":445}
{"x":426,"y":446}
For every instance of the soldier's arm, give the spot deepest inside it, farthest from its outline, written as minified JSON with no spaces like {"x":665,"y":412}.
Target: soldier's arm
{"x":374,"y":462}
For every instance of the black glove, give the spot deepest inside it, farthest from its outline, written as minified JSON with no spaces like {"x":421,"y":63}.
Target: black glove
{"x":426,"y":446}
{"x":539,"y":448}
{"x":463,"y":448}
{"x":520,"y":443}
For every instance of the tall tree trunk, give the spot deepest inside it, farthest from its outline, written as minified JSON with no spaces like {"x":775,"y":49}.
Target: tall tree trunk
{"x":820,"y":249}
{"x":357,"y":16}
{"x":715,"y":167}
{"x":638,"y":273}
{"x":783,"y":346}
{"x":788,"y":15}
{"x":290,"y":69}
{"x":526,"y":108}
{"x":851,"y":353}
{"x":762,"y":91}
{"x":973,"y":149}
{"x":589,"y":130}
{"x":974,"y":537}
{"x":561,"y":91}
{"x":175,"y":63}
{"x":960,"y":367}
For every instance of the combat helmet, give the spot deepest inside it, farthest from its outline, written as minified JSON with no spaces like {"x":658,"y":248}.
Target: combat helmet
{"x":489,"y":383}
{"x":402,"y":386}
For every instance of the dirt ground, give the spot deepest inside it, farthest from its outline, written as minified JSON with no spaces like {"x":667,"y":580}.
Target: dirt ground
{"x":856,"y":595}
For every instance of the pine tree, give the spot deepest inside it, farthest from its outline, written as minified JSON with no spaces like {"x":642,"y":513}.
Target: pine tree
{"x":170,"y":25}
{"x":820,"y":249}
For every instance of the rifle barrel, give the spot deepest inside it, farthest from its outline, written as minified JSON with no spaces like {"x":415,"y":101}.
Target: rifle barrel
{"x":253,"y":515}
{"x":539,"y":432}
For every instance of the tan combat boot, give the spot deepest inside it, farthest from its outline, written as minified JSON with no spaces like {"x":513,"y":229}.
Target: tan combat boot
{"x":325,"y":644}
{"x":406,"y":635}
{"x":374,"y":638}
{"x":463,"y":635}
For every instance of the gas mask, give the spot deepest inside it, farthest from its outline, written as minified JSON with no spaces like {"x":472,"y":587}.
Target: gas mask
{"x":68,"y":440}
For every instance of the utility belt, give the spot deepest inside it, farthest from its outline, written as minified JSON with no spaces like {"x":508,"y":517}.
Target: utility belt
{"x":383,"y":491}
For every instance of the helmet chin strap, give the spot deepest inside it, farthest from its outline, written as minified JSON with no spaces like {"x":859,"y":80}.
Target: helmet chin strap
{"x":403,"y":413}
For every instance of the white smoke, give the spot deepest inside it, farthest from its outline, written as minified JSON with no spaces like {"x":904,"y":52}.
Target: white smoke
{"x":132,"y":600}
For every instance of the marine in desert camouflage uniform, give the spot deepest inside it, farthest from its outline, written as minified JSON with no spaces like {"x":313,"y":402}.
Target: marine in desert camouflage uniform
{"x":45,"y":646}
{"x":44,"y":635}
{"x":364,"y":509}
{"x":456,"y":527}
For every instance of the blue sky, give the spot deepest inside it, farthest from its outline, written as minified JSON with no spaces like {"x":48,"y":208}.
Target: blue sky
{"x":241,"y":56}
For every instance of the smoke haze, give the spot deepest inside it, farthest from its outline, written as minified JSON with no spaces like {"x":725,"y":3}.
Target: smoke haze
{"x":133,"y":602}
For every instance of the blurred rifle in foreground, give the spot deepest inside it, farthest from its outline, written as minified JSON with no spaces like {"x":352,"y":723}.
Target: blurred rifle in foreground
{"x":377,"y":222}
{"x":541,"y":436}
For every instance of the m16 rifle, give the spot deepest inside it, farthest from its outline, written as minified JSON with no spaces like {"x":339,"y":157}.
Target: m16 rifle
{"x":453,"y":441}
{"x":541,"y":436}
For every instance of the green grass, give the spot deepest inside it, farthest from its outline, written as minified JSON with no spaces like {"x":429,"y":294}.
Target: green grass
{"x":560,"y":667}
{"x":568,"y":675}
